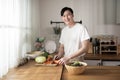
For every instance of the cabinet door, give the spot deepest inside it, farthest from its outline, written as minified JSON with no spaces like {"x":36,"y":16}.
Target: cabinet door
{"x":118,"y":12}
{"x":92,"y":62}
{"x":110,"y":11}
{"x":111,"y":63}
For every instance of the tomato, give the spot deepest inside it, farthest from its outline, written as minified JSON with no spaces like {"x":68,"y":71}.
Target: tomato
{"x":56,"y":61}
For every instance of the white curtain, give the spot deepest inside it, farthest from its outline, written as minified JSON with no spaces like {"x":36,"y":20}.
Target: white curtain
{"x":15,"y":32}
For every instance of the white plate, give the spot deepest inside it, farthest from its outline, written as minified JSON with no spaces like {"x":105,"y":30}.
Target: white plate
{"x":34,"y":54}
{"x":50,"y":46}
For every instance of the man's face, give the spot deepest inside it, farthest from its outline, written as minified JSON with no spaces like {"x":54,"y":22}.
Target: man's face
{"x":67,"y":17}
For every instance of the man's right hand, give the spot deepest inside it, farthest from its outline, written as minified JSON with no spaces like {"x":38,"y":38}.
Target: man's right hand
{"x":56,"y":57}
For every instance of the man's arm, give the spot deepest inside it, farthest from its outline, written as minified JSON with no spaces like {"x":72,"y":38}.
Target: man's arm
{"x":84,"y":49}
{"x":60,"y":52}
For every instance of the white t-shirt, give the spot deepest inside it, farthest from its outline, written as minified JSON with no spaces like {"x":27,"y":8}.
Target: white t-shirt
{"x":72,"y":37}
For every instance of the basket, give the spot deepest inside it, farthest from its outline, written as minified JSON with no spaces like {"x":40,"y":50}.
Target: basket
{"x":76,"y":69}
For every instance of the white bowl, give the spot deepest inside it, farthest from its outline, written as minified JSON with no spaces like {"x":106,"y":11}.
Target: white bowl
{"x":34,"y":54}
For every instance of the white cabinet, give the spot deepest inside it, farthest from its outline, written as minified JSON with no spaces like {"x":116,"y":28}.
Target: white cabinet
{"x":92,"y":62}
{"x":110,"y":11}
{"x":111,"y":63}
{"x":118,"y":12}
{"x":102,"y":63}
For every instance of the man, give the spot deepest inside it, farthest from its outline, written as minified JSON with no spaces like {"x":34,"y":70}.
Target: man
{"x":74,"y":40}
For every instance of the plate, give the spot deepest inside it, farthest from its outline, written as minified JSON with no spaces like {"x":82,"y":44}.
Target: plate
{"x":50,"y":46}
{"x":34,"y":54}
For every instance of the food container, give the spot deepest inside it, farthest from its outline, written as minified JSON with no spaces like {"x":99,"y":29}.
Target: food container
{"x":76,"y":69}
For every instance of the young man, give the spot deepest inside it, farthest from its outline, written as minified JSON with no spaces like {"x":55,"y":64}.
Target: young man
{"x":74,"y":40}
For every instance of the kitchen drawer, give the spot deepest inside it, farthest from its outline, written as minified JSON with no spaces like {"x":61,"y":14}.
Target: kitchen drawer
{"x":92,"y":62}
{"x":111,"y":63}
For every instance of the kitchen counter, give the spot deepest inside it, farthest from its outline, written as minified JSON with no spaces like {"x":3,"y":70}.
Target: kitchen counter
{"x":95,"y":73}
{"x":32,"y":72}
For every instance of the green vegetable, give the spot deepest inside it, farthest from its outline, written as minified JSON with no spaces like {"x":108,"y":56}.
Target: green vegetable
{"x":40,"y":59}
{"x":45,"y":54}
{"x":41,"y":39}
{"x":75,"y":63}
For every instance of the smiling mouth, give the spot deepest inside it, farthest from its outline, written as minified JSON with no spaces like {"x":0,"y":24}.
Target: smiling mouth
{"x":67,"y":21}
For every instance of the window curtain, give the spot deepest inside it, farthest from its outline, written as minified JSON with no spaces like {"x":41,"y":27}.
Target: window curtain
{"x":15,"y":32}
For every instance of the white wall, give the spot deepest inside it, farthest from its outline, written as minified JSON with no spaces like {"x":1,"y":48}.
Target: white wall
{"x":91,"y":12}
{"x":35,"y":19}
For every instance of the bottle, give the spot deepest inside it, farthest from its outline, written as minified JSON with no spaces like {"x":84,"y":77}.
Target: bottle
{"x":112,"y":42}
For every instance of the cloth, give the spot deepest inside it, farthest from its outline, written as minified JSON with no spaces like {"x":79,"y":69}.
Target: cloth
{"x":72,"y":37}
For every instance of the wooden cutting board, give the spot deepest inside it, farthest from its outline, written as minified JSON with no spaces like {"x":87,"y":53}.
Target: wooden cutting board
{"x":50,"y":65}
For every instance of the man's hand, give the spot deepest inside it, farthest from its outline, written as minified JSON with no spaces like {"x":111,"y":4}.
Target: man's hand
{"x":56,"y":57}
{"x":64,"y":60}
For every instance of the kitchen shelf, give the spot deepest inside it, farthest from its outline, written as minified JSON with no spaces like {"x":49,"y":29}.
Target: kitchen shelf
{"x":108,"y":51}
{"x":108,"y":44}
{"x":58,"y":22}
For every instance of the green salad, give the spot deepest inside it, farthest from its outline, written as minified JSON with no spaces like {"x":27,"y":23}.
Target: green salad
{"x":75,"y":63}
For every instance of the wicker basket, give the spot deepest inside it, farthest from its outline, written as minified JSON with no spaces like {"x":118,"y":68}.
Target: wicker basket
{"x":76,"y":69}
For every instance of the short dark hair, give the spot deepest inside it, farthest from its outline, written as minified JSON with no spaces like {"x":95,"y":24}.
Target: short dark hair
{"x":64,"y":9}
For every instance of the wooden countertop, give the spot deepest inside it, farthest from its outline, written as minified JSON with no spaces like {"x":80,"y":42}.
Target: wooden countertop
{"x":32,"y":72}
{"x":91,"y":56}
{"x":95,"y":73}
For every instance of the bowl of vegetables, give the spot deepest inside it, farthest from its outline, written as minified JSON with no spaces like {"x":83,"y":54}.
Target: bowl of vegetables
{"x":76,"y":67}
